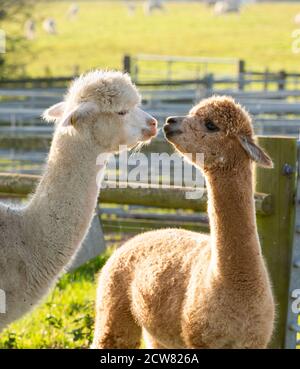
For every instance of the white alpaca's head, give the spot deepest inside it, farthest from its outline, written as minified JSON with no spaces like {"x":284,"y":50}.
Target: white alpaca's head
{"x":104,"y":107}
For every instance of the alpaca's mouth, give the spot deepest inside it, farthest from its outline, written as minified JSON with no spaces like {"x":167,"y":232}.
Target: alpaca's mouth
{"x":149,"y":133}
{"x":170,"y":132}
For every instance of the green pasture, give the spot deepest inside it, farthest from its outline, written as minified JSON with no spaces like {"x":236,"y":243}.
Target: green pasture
{"x":65,"y":319}
{"x":104,"y":31}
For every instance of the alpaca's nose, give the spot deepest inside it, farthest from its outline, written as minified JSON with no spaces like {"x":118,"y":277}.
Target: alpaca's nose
{"x":175,"y":120}
{"x":171,"y":120}
{"x":152,"y":124}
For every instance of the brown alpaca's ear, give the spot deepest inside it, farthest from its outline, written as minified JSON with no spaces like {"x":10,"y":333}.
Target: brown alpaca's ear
{"x":255,"y":152}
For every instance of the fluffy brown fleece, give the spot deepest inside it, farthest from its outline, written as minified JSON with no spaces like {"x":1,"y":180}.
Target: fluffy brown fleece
{"x":189,"y":290}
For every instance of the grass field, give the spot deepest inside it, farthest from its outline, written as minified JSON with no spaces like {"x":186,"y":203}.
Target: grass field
{"x":104,"y":32}
{"x":65,"y":319}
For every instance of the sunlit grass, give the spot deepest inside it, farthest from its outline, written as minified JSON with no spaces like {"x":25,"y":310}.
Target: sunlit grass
{"x":65,"y":319}
{"x":104,"y":32}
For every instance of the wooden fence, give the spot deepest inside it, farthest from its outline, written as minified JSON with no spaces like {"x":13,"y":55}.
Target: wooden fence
{"x":155,"y":70}
{"x":275,"y":208}
{"x":274,"y":111}
{"x":174,"y":71}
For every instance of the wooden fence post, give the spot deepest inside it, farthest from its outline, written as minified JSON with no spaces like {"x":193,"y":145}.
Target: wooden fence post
{"x":127,"y":64}
{"x":1,"y":65}
{"x":241,"y":75}
{"x":209,"y":81}
{"x":276,"y":230}
{"x":266,"y":80}
{"x":281,"y":80}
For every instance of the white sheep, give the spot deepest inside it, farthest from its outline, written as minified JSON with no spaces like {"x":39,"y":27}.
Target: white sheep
{"x":29,"y":29}
{"x":49,"y":25}
{"x":73,"y":11}
{"x":227,"y":6}
{"x":152,"y":5}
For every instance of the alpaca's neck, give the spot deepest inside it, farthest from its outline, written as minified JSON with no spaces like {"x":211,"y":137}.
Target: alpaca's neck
{"x":234,"y":240}
{"x":60,"y":212}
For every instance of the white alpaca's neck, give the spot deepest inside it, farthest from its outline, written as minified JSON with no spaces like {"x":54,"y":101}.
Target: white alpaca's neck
{"x":61,"y":210}
{"x":231,"y":209}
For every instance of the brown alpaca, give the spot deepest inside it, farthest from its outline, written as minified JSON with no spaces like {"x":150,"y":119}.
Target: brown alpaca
{"x":188,"y":290}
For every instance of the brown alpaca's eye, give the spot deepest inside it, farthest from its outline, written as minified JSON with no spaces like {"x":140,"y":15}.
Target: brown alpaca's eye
{"x":210,"y":125}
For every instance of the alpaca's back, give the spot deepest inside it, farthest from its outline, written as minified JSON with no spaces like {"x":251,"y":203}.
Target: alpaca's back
{"x":159,"y":253}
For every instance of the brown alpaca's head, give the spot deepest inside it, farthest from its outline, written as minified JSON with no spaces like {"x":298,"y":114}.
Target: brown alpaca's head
{"x":221,"y":130}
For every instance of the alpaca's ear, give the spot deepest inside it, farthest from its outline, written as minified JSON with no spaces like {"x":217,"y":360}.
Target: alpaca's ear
{"x":255,"y":152}
{"x":69,"y":119}
{"x":84,"y":112}
{"x":55,"y":112}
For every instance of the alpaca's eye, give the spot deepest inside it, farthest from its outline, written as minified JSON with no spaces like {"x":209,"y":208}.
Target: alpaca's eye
{"x":123,"y":112}
{"x":211,"y":126}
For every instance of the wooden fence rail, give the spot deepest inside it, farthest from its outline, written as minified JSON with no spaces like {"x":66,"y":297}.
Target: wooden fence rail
{"x":169,"y":197}
{"x":274,"y":111}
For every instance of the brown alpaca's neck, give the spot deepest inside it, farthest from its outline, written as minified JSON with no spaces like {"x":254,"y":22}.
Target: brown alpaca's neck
{"x":234,"y":241}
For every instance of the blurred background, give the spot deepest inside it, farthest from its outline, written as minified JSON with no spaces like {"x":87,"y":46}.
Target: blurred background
{"x":177,"y":52}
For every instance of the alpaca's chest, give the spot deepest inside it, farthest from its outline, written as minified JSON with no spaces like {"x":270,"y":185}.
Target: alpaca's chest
{"x":228,"y":320}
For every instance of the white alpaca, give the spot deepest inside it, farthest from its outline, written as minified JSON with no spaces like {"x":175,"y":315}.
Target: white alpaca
{"x":49,"y":26}
{"x":73,"y":11}
{"x":29,"y":29}
{"x":99,"y":113}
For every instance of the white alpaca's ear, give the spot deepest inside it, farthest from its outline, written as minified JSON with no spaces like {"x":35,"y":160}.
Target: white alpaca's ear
{"x":83,"y":113}
{"x":69,"y":119}
{"x":55,"y":112}
{"x":255,"y":152}
{"x":86,"y":111}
